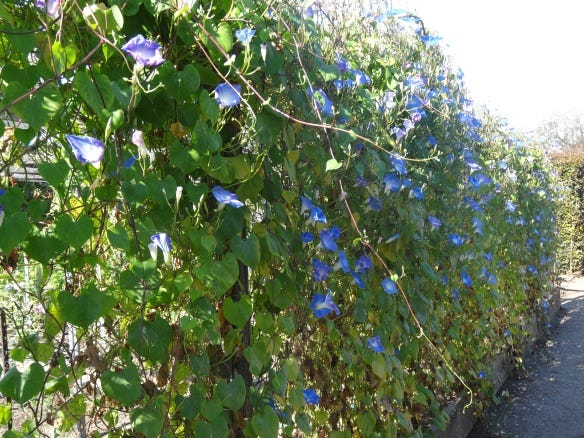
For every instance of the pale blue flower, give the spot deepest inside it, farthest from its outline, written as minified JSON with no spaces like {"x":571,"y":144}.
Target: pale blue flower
{"x":225,"y":197}
{"x":455,"y":239}
{"x":322,"y":305}
{"x":466,"y":280}
{"x":417,"y":193}
{"x":328,"y":238}
{"x":162,"y":241}
{"x":245,"y":35}
{"x":343,"y":263}
{"x":399,"y":164}
{"x":145,"y":52}
{"x":389,"y":286}
{"x":86,"y":149}
{"x":228,"y":95}
{"x":357,"y":280}
{"x":434,"y":222}
{"x":375,"y":344}
{"x":392,"y":183}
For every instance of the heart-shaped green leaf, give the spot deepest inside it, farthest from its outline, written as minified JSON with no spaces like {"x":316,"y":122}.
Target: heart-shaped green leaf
{"x":21,"y":387}
{"x":237,"y":312}
{"x":123,"y":386}
{"x":86,"y":308}
{"x":248,"y":250}
{"x":150,"y":339}
{"x":75,"y":233}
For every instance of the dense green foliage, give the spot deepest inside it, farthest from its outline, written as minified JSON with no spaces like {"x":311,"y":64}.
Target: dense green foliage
{"x":570,"y":167}
{"x":438,"y":240}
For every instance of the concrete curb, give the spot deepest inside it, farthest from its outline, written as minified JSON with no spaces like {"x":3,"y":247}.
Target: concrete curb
{"x":461,"y":424}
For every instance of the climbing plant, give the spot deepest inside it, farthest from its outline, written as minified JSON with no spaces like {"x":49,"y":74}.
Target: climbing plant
{"x":256,"y":218}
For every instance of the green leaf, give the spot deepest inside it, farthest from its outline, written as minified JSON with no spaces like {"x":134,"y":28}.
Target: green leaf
{"x":95,"y":89}
{"x":231,"y":394}
{"x":63,"y":57}
{"x":85,"y":309}
{"x":54,"y":173}
{"x":207,"y":140}
{"x":103,"y":19}
{"x":5,"y":414}
{"x":161,"y":190}
{"x":219,"y":276}
{"x":13,"y":230}
{"x":185,"y":158}
{"x":123,"y":386}
{"x":378,"y":366}
{"x":21,"y":387}
{"x":333,"y":164}
{"x":150,"y":339}
{"x":148,"y":421}
{"x":265,"y":423}
{"x":44,"y":248}
{"x":75,"y":233}
{"x":237,"y":312}
{"x":209,"y":107}
{"x":118,"y":237}
{"x":366,"y":423}
{"x":248,"y":250}
{"x":181,"y":85}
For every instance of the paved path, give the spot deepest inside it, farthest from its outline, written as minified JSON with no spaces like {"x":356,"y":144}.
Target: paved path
{"x":547,"y":399}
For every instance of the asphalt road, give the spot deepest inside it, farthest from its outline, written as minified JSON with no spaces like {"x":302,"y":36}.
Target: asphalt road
{"x":546,"y":399}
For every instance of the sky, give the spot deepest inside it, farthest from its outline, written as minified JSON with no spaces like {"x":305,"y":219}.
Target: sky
{"x":523,"y":59}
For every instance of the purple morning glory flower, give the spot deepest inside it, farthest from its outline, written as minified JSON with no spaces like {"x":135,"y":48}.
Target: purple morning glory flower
{"x":310,"y":396}
{"x":225,"y":197}
{"x":322,"y":101}
{"x":434,"y":222}
{"x":86,"y":149}
{"x":398,"y":132}
{"x":358,"y":280}
{"x":321,"y":270}
{"x":328,"y":238}
{"x":392,"y":183}
{"x":374,"y":204}
{"x":244,"y":35}
{"x":375,"y":344}
{"x":360,"y":182}
{"x":145,"y":52}
{"x":455,"y":239}
{"x":307,"y":237}
{"x":466,"y":280}
{"x":162,"y":241}
{"x":399,"y":164}
{"x":343,"y":263}
{"x":389,"y":286}
{"x":50,"y":6}
{"x":342,"y":64}
{"x":363,"y":264}
{"x":228,"y":95}
{"x":322,"y":305}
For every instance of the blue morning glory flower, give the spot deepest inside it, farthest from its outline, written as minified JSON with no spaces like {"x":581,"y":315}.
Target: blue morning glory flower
{"x":399,"y":164}
{"x":387,"y":102}
{"x":432,"y":140}
{"x":244,"y":35}
{"x":392,"y":183}
{"x":455,"y":239}
{"x":510,"y":206}
{"x":545,"y":305}
{"x":434,"y":222}
{"x":507,"y":332}
{"x":328,"y":238}
{"x":322,"y":305}
{"x":339,"y":84}
{"x":86,"y":149}
{"x":477,"y":225}
{"x":321,"y":270}
{"x":343,"y":263}
{"x":430,"y":40}
{"x":398,"y":132}
{"x":310,"y":396}
{"x":482,"y":375}
{"x":145,"y":52}
{"x":305,"y":204}
{"x":307,"y":237}
{"x":361,"y":78}
{"x":479,"y":179}
{"x":374,"y":204}
{"x":228,"y":95}
{"x":417,"y":193}
{"x":357,"y":280}
{"x":492,"y":279}
{"x":360,"y":181}
{"x":466,"y":280}
{"x":342,"y":64}
{"x":532,"y":269}
{"x":389,"y":286}
{"x":455,"y":294}
{"x":162,"y":241}
{"x":224,"y":197}
{"x":322,"y":101}
{"x":316,"y":215}
{"x":375,"y":344}
{"x":363,"y":264}
{"x":488,"y":256}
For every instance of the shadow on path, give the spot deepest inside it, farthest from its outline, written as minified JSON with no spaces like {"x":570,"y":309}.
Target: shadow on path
{"x":547,"y":398}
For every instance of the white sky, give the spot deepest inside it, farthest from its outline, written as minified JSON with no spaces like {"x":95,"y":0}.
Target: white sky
{"x":523,"y":59}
